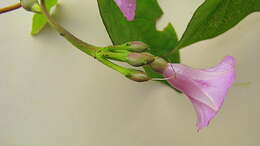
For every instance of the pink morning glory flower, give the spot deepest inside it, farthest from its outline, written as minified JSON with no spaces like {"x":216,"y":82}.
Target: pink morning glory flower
{"x":127,"y":7}
{"x":206,"y":88}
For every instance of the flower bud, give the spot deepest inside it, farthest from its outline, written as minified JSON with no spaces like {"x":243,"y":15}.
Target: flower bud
{"x":31,"y":5}
{"x":140,"y":59}
{"x":159,"y":65}
{"x":137,"y":75}
{"x":136,"y":46}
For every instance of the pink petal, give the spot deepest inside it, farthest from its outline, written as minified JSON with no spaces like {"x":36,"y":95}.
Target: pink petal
{"x":127,"y":7}
{"x":206,"y":88}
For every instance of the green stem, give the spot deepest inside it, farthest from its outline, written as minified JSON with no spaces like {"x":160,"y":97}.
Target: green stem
{"x":173,"y":51}
{"x":83,"y":46}
{"x":116,"y":56}
{"x":116,"y":67}
{"x":91,"y":50}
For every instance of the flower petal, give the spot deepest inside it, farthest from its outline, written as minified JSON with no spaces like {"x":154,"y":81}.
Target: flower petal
{"x":127,"y":7}
{"x":204,"y":114}
{"x":206,"y":88}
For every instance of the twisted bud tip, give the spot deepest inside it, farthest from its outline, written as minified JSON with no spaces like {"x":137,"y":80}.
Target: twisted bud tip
{"x":159,"y":65}
{"x":140,"y":59}
{"x":137,"y":46}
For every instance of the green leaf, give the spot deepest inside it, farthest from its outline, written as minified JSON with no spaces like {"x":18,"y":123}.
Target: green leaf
{"x":39,"y":21}
{"x":215,"y":17}
{"x":143,"y":28}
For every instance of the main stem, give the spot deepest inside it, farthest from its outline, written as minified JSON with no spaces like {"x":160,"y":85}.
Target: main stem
{"x":10,"y":8}
{"x":91,"y":50}
{"x":83,"y":46}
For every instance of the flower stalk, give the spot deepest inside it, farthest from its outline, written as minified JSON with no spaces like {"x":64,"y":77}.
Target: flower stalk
{"x":103,"y":54}
{"x":83,"y":46}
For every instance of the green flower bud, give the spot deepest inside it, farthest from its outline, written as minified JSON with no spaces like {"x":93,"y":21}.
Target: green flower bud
{"x":136,"y":46}
{"x":140,"y":59}
{"x":159,"y":65}
{"x":138,"y":76}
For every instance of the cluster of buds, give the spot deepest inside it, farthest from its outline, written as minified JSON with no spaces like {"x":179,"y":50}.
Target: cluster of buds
{"x":135,"y":54}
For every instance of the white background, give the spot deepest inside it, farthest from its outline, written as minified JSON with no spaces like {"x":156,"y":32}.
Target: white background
{"x":51,"y":94}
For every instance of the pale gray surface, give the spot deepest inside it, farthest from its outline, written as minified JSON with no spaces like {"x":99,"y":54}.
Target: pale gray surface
{"x":51,"y":94}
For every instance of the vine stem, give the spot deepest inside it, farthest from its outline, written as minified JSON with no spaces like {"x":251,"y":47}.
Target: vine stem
{"x":83,"y":46}
{"x":96,"y":52}
{"x":10,"y":8}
